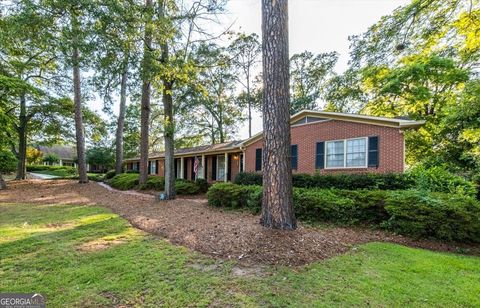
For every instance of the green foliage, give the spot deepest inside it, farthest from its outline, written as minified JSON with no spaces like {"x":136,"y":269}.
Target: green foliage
{"x":202,"y":185}
{"x":308,"y":74}
{"x":33,"y":168}
{"x":248,"y":178}
{"x":438,"y":179}
{"x":124,"y":181}
{"x":153,"y":183}
{"x":409,"y":212}
{"x":51,"y":158}
{"x":110,"y":174}
{"x":444,"y":216}
{"x":183,"y":187}
{"x":8,"y":162}
{"x":389,"y":181}
{"x":235,"y":196}
{"x":102,"y":156}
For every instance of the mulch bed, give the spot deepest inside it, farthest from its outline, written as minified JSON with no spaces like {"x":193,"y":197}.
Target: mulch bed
{"x":215,"y":232}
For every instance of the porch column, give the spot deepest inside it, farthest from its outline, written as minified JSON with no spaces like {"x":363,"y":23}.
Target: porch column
{"x":182,"y":165}
{"x":226,"y":167}
{"x":203,"y":176}
{"x":243,"y":162}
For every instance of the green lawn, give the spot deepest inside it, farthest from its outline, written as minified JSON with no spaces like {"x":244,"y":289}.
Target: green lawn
{"x":88,"y":256}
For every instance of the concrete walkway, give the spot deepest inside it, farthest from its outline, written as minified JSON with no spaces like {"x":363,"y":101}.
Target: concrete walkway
{"x":43,"y":176}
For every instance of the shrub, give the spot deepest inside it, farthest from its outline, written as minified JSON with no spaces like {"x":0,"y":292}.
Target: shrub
{"x":132,"y":171}
{"x":110,"y":174}
{"x":438,"y":179}
{"x":391,"y":181}
{"x":183,"y":187}
{"x":68,"y":169}
{"x":248,"y":178}
{"x":235,"y":196}
{"x":153,"y":183}
{"x":124,"y":181}
{"x":202,"y":185}
{"x":409,"y":212}
{"x":444,"y":216}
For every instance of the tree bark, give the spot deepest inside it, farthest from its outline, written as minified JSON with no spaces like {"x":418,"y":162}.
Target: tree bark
{"x":168,"y":133}
{"x":22,"y":140}
{"x":277,"y":203}
{"x":249,"y":99}
{"x":77,"y":100}
{"x":145,"y":101}
{"x":121,"y":123}
{"x":3,"y":184}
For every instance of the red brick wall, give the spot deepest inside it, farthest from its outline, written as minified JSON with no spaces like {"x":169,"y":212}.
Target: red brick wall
{"x":235,"y":165}
{"x":161,"y":167}
{"x":391,"y":152}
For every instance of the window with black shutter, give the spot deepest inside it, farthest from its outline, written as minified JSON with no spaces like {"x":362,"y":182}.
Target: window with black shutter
{"x":294,"y":153}
{"x":258,"y":159}
{"x":320,"y":156}
{"x":373,"y":151}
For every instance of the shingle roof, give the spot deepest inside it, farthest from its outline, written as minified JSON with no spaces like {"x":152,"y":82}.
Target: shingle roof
{"x":64,"y":152}
{"x":211,"y":148}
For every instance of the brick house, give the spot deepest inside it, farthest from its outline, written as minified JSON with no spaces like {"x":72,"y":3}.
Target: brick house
{"x":323,"y":142}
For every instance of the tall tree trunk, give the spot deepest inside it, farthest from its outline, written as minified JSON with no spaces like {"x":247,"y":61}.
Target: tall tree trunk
{"x":121,"y":123}
{"x":277,"y":203}
{"x":249,"y":100}
{"x":3,"y":185}
{"x":77,"y":100}
{"x":146,"y":89}
{"x":22,"y":140}
{"x":168,"y":134}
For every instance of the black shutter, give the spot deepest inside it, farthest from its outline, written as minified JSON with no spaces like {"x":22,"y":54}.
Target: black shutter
{"x":175,"y":166}
{"x":373,"y":149}
{"x":214,"y":168}
{"x":193,"y":171}
{"x":185,"y":172}
{"x":156,"y":167}
{"x":258,"y":159}
{"x":205,"y":169}
{"x":149,"y":166}
{"x":229,"y":168}
{"x":294,"y":153}
{"x":320,"y":156}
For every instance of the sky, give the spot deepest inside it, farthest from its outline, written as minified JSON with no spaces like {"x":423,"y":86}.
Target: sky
{"x":314,"y":25}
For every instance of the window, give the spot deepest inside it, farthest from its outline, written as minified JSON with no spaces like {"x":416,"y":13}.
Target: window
{"x":335,"y":154}
{"x":153,"y":167}
{"x":350,"y":153}
{"x":356,"y":153}
{"x":220,"y":167}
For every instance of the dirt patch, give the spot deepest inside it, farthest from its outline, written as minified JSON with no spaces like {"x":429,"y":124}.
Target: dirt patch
{"x":98,"y":245}
{"x":224,"y":234}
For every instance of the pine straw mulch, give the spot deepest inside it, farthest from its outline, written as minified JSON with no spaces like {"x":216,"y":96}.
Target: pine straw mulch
{"x":215,"y":232}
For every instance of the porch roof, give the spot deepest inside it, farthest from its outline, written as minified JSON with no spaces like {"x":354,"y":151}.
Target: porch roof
{"x":198,"y":150}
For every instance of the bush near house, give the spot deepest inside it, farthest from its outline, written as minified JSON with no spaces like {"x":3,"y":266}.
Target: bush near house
{"x":409,"y":212}
{"x":391,"y":181}
{"x":33,"y":168}
{"x":434,"y":179}
{"x":126,"y":181}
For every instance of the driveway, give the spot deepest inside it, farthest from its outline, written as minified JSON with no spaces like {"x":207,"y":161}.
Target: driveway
{"x":42,"y":176}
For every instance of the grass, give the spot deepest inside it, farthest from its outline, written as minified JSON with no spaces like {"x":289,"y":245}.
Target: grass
{"x":88,"y":256}
{"x":60,"y":172}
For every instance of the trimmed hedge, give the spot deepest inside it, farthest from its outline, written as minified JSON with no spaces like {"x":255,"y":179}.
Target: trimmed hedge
{"x":409,"y":212}
{"x":127,"y":181}
{"x":390,"y":181}
{"x":32,"y":168}
{"x":110,"y":174}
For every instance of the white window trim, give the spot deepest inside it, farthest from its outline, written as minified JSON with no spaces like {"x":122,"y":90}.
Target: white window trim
{"x":218,"y":168}
{"x":345,"y":154}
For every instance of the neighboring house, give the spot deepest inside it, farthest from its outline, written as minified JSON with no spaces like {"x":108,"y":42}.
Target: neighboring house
{"x":66,"y":154}
{"x":323,"y":142}
{"x":67,"y":157}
